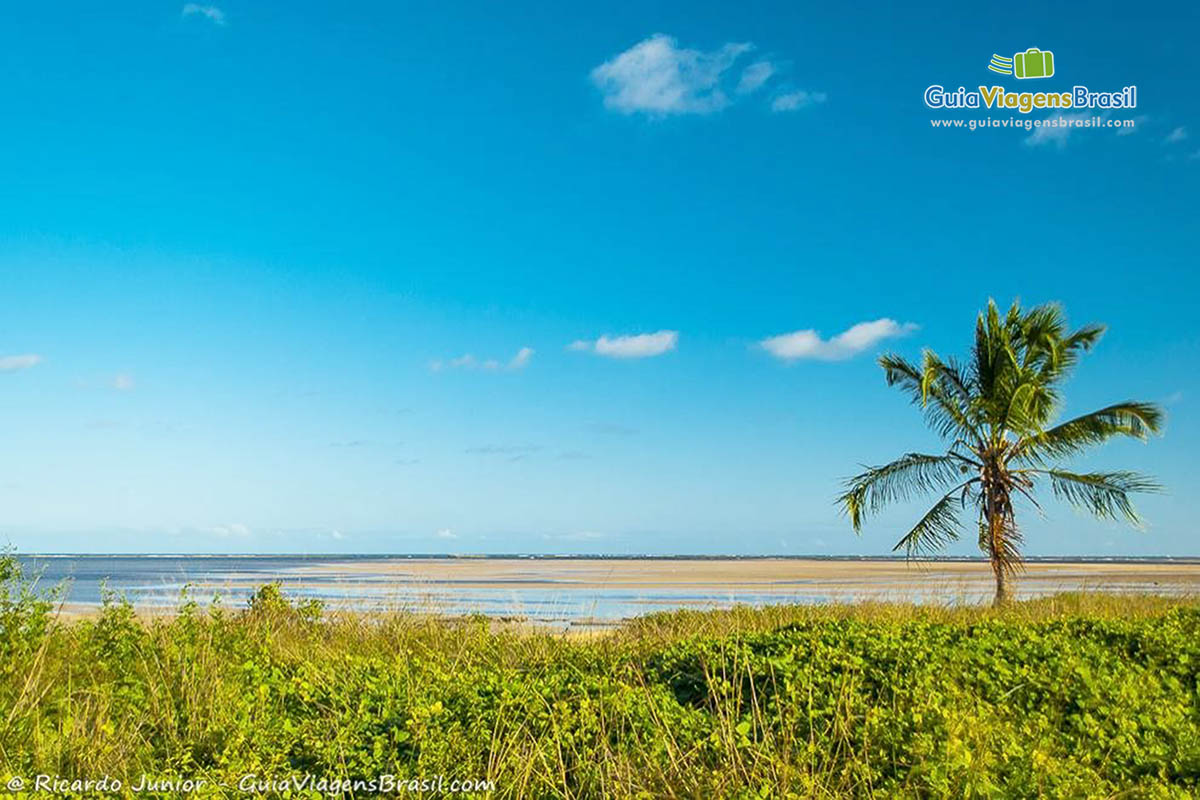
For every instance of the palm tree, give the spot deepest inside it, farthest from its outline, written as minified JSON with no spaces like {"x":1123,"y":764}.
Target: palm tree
{"x":996,"y":413}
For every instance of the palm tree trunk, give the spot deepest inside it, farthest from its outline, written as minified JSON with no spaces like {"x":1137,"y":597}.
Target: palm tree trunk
{"x":1001,"y":583}
{"x":995,"y":547}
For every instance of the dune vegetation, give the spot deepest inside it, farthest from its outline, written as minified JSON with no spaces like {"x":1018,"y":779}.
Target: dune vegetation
{"x":1082,"y":695}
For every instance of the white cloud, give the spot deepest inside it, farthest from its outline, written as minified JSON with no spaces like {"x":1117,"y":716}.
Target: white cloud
{"x":754,"y":76}
{"x":1177,"y":135}
{"x":211,"y":13}
{"x":123,"y":382}
{"x":1056,"y":129}
{"x":446,"y":533}
{"x":12,"y":363}
{"x":641,"y":345}
{"x":232,"y":529}
{"x":462,"y":362}
{"x":521,"y":358}
{"x":794,"y":101}
{"x":848,"y":343}
{"x":469,"y":362}
{"x":658,"y":77}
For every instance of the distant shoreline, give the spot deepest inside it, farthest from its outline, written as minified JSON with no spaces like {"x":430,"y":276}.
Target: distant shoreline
{"x":619,"y":557}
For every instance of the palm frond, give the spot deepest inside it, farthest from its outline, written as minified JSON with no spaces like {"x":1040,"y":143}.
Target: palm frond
{"x":1085,"y":338}
{"x":1050,"y":351}
{"x":1028,"y":404}
{"x":947,"y":377}
{"x":984,"y":358}
{"x":904,"y":478}
{"x":1105,"y":494}
{"x":1020,"y":359}
{"x":945,"y":410}
{"x":939,"y":527}
{"x":1135,"y":420}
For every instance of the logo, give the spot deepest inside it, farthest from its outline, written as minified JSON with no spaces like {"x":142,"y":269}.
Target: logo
{"x":1033,"y":63}
{"x":1001,"y":64}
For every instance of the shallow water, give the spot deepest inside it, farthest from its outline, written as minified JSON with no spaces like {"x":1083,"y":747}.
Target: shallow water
{"x":542,"y":590}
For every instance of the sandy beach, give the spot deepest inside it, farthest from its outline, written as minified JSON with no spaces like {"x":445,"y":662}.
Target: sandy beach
{"x":784,"y":576}
{"x":603,"y":590}
{"x":608,"y":589}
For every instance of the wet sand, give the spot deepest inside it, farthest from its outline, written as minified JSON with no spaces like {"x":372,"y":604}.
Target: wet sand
{"x":758,"y":574}
{"x":582,"y":590}
{"x":674,"y":582}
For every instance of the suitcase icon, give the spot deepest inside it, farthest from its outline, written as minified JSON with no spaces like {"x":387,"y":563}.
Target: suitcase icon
{"x":1033,"y":63}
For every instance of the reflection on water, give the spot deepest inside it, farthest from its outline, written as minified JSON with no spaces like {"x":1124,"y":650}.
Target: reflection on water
{"x":160,"y":581}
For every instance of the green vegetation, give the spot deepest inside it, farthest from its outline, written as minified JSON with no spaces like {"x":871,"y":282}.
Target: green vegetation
{"x":1075,"y":696}
{"x":996,"y":414}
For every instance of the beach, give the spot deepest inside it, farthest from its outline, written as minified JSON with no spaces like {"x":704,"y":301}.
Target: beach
{"x":587,"y":591}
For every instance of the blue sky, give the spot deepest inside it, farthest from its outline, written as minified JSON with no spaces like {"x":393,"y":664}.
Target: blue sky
{"x":247,"y":249}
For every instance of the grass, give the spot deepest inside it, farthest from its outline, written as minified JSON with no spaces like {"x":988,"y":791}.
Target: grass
{"x":1082,"y":695}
